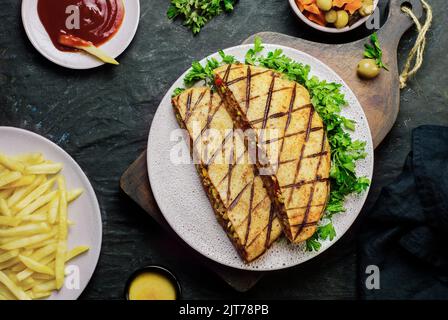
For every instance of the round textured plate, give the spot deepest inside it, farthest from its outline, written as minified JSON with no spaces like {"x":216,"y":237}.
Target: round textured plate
{"x":79,"y":60}
{"x":182,"y":200}
{"x":295,"y":8}
{"x":85,"y":211}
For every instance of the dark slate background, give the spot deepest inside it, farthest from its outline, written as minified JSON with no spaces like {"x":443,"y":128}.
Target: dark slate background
{"x":102,"y":118}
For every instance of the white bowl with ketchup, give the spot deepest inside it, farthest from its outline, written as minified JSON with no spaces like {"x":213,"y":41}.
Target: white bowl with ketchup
{"x":108,"y":24}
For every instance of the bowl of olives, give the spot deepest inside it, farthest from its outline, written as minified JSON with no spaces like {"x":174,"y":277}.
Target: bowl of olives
{"x":334,"y":16}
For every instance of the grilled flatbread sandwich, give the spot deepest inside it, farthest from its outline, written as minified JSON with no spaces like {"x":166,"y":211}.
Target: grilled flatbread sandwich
{"x":233,"y":185}
{"x":262,"y":99}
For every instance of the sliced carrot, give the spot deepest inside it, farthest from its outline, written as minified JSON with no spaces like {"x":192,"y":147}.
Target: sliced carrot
{"x":300,"y":5}
{"x":306,"y":2}
{"x":341,"y":3}
{"x":316,"y":18}
{"x":312,"y":8}
{"x":353,"y":6}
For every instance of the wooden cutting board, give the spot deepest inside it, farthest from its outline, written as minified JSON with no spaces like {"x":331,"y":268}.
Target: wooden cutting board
{"x":379,"y":98}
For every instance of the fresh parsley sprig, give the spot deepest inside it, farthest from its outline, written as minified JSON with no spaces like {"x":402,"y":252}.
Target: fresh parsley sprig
{"x":373,"y":51}
{"x":198,"y":72}
{"x":196,"y":13}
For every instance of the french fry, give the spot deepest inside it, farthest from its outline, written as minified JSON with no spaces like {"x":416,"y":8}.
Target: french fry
{"x":15,"y":290}
{"x":6,"y":294}
{"x":9,"y":177}
{"x":20,"y":243}
{"x":4,"y":209}
{"x":75,"y":252}
{"x":54,"y":209}
{"x":9,"y":263}
{"x":36,"y":204}
{"x":35,"y":217}
{"x":42,"y":244}
{"x":45,"y":286}
{"x":28,"y":272}
{"x":33,"y":227}
{"x":30,"y":158}
{"x":23,"y":181}
{"x":8,"y":255}
{"x":34,"y":194}
{"x":5,"y":194}
{"x":60,"y":264}
{"x":9,"y":221}
{"x":40,"y":276}
{"x":11,"y":164}
{"x":72,"y":195}
{"x":46,"y":168}
{"x":22,"y":192}
{"x":62,"y":208}
{"x":40,"y":295}
{"x":35,"y":265}
{"x":25,"y":230}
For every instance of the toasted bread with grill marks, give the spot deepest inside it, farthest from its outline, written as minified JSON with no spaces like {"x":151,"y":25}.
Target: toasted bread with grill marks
{"x":233,"y":185}
{"x":299,"y":152}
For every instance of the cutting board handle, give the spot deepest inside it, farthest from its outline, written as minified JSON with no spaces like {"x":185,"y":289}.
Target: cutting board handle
{"x":398,"y":22}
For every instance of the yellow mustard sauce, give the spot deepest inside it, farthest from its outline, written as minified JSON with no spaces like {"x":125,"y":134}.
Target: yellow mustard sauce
{"x":152,"y":286}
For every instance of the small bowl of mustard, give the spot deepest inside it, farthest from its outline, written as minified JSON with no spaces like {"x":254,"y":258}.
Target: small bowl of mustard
{"x":152,"y":283}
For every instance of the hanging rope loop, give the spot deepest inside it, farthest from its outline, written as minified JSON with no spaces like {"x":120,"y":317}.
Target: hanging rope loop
{"x":415,"y":57}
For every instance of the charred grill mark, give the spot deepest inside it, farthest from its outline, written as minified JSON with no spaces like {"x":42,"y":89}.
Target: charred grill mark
{"x":303,"y":183}
{"x":248,"y":84}
{"x":313,"y":187}
{"x":238,"y":197}
{"x":258,"y":96}
{"x":281,"y":114}
{"x":190,"y":111}
{"x":303,"y":225}
{"x":304,"y":207}
{"x":230,"y":170}
{"x":249,"y":216}
{"x":229,"y":83}
{"x":226,"y":74}
{"x":220,"y":148}
{"x":288,"y":120}
{"x":268,"y":103}
{"x":253,"y":210}
{"x":315,"y":155}
{"x":299,"y":163}
{"x":290,"y":135}
{"x":187,"y":109}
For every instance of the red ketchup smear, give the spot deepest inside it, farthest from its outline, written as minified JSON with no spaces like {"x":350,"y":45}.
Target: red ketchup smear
{"x":99,"y":20}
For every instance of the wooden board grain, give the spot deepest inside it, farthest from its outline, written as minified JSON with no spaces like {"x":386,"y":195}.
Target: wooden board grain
{"x":379,"y":98}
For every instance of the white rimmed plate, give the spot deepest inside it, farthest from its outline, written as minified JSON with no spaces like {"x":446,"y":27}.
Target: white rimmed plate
{"x":79,"y":60}
{"x":85,"y":211}
{"x":184,"y":204}
{"x":295,"y":8}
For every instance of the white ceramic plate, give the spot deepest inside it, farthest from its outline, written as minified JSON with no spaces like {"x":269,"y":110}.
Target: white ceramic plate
{"x":295,"y":8}
{"x":182,"y":200}
{"x":85,"y":211}
{"x":79,"y":60}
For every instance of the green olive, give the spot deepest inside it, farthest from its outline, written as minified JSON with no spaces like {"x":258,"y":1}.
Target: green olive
{"x":342,"y":19}
{"x":368,"y":69}
{"x":331,"y":16}
{"x":324,"y":5}
{"x":366,"y":10}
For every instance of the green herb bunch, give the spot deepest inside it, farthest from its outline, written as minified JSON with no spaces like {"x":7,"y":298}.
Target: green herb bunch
{"x":196,"y":13}
{"x":373,"y":51}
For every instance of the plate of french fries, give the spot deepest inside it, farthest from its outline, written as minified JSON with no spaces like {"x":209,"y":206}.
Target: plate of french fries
{"x":50,"y":220}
